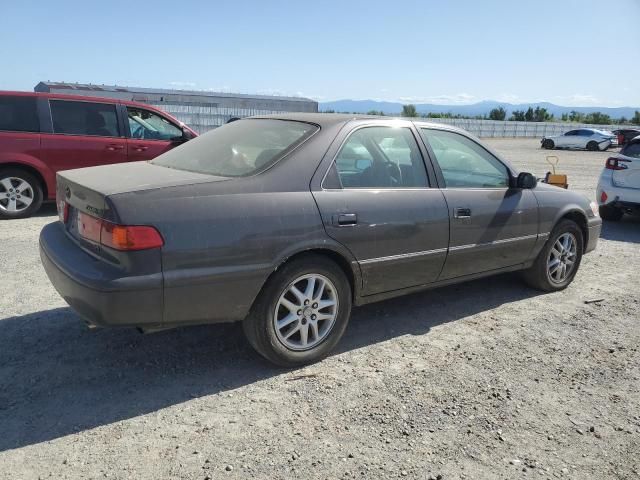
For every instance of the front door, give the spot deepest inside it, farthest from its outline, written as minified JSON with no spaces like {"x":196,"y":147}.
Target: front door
{"x":493,"y":225}
{"x":149,"y":134}
{"x":376,"y":202}
{"x":85,"y":134}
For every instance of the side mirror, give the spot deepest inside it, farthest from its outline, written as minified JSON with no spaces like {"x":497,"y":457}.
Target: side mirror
{"x":526,"y":180}
{"x":185,"y":137}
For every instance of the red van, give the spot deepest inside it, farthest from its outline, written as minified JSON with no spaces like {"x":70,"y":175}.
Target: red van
{"x":41,"y":133}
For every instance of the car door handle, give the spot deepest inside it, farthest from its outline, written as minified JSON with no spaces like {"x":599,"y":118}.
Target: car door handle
{"x":345,"y":219}
{"x":140,"y":148}
{"x":462,"y":213}
{"x":113,"y":148}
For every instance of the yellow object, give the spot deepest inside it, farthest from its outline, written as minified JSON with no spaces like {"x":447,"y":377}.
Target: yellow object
{"x":557,"y":179}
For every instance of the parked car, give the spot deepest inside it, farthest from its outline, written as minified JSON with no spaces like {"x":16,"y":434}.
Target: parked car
{"x":42,"y":133}
{"x":588,"y":138}
{"x":626,"y":134}
{"x":619,"y":185}
{"x":284,"y":222}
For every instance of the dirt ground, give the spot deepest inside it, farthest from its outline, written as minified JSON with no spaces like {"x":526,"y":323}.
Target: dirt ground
{"x":488,"y":379}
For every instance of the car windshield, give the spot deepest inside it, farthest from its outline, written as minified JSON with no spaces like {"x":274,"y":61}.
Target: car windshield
{"x":238,"y":149}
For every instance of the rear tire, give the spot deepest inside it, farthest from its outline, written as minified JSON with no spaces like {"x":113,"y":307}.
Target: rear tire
{"x":21,"y":194}
{"x":610,"y":213}
{"x":559,"y":260}
{"x":548,"y":144}
{"x":293,"y":329}
{"x":592,"y":146}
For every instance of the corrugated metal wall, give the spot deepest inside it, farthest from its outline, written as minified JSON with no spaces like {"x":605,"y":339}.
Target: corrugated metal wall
{"x":497,"y":128}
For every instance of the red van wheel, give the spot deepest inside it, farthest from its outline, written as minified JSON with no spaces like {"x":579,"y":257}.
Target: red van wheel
{"x":20,"y":194}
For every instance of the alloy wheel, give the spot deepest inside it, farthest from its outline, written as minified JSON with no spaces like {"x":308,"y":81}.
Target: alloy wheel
{"x":562,"y":258}
{"x":306,"y":312}
{"x":16,"y":194}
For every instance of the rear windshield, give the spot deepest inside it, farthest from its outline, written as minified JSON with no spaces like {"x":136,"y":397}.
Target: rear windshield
{"x":631,"y":150}
{"x":238,"y":149}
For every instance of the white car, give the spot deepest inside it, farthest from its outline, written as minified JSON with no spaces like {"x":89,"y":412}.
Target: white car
{"x":588,"y":138}
{"x":619,"y":185}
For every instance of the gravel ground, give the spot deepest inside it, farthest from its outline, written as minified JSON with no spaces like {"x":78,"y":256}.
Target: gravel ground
{"x":487,"y":379}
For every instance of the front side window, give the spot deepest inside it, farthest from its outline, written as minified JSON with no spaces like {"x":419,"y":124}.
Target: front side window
{"x":147,"y":125}
{"x":18,"y":114}
{"x":238,"y":149}
{"x":84,"y":118}
{"x":381,"y":157}
{"x":464,"y":163}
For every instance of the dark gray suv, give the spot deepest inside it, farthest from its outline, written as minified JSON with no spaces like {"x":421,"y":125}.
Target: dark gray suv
{"x":285,"y":222}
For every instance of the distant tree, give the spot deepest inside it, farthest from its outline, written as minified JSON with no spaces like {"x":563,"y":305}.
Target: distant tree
{"x":597,"y":118}
{"x":636,"y":118}
{"x":517,"y":116}
{"x":565,"y":117}
{"x":328,"y":111}
{"x":528,"y":116}
{"x":622,"y":120}
{"x":409,"y":111}
{"x":498,"y":114}
{"x":380,"y":113}
{"x":576,"y":117}
{"x":540,"y":114}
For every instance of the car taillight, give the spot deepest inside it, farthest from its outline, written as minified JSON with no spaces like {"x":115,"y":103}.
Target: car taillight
{"x":614,"y":163}
{"x":63,"y":211}
{"x":137,"y":237}
{"x":118,"y":237}
{"x":603,"y":197}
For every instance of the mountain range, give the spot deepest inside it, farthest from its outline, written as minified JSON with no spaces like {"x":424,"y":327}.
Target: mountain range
{"x":480,"y":108}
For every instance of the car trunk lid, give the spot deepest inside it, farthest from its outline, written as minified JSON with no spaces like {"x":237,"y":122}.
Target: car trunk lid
{"x":86,"y":191}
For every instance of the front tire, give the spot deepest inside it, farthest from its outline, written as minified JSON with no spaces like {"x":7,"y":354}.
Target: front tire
{"x":301,"y":312}
{"x":592,"y":146}
{"x":21,"y":194}
{"x":548,"y":144}
{"x":610,"y":213}
{"x":559,"y":260}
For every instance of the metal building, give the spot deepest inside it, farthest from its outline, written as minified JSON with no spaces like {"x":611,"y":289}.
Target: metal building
{"x":201,"y":110}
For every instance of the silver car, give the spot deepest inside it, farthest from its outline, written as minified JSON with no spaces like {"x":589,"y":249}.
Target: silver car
{"x":583,"y":138}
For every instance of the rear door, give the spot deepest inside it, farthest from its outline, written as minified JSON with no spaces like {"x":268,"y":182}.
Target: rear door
{"x":629,"y":163}
{"x":149,"y":134}
{"x":84,"y":134}
{"x":377,"y":201}
{"x":493,"y":225}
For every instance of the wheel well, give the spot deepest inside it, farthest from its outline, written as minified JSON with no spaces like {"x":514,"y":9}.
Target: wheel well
{"x":581,"y":220}
{"x":338,"y":259}
{"x":32,"y":171}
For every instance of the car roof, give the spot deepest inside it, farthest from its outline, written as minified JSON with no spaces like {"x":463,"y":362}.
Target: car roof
{"x":329,"y":119}
{"x":85,"y":98}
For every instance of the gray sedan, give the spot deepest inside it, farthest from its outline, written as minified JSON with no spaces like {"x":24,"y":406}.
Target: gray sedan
{"x":285,"y":222}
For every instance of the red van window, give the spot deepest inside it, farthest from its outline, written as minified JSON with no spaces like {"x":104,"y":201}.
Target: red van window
{"x":84,"y":118}
{"x":19,"y":114}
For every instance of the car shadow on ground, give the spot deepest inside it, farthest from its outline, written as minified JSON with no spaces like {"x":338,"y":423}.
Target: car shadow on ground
{"x":57,"y":377}
{"x":626,"y":230}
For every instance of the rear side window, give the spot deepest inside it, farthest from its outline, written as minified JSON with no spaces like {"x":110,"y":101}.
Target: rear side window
{"x":631,"y":150}
{"x":238,"y":149}
{"x":84,"y":118}
{"x":19,"y":114}
{"x":381,"y":157}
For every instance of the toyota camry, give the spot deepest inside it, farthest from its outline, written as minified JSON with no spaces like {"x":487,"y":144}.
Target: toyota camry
{"x":286,"y":222}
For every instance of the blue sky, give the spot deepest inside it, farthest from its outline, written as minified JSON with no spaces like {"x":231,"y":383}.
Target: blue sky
{"x":569,"y":52}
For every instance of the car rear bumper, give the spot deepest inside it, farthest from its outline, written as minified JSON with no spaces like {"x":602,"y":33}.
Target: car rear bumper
{"x":99,"y":292}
